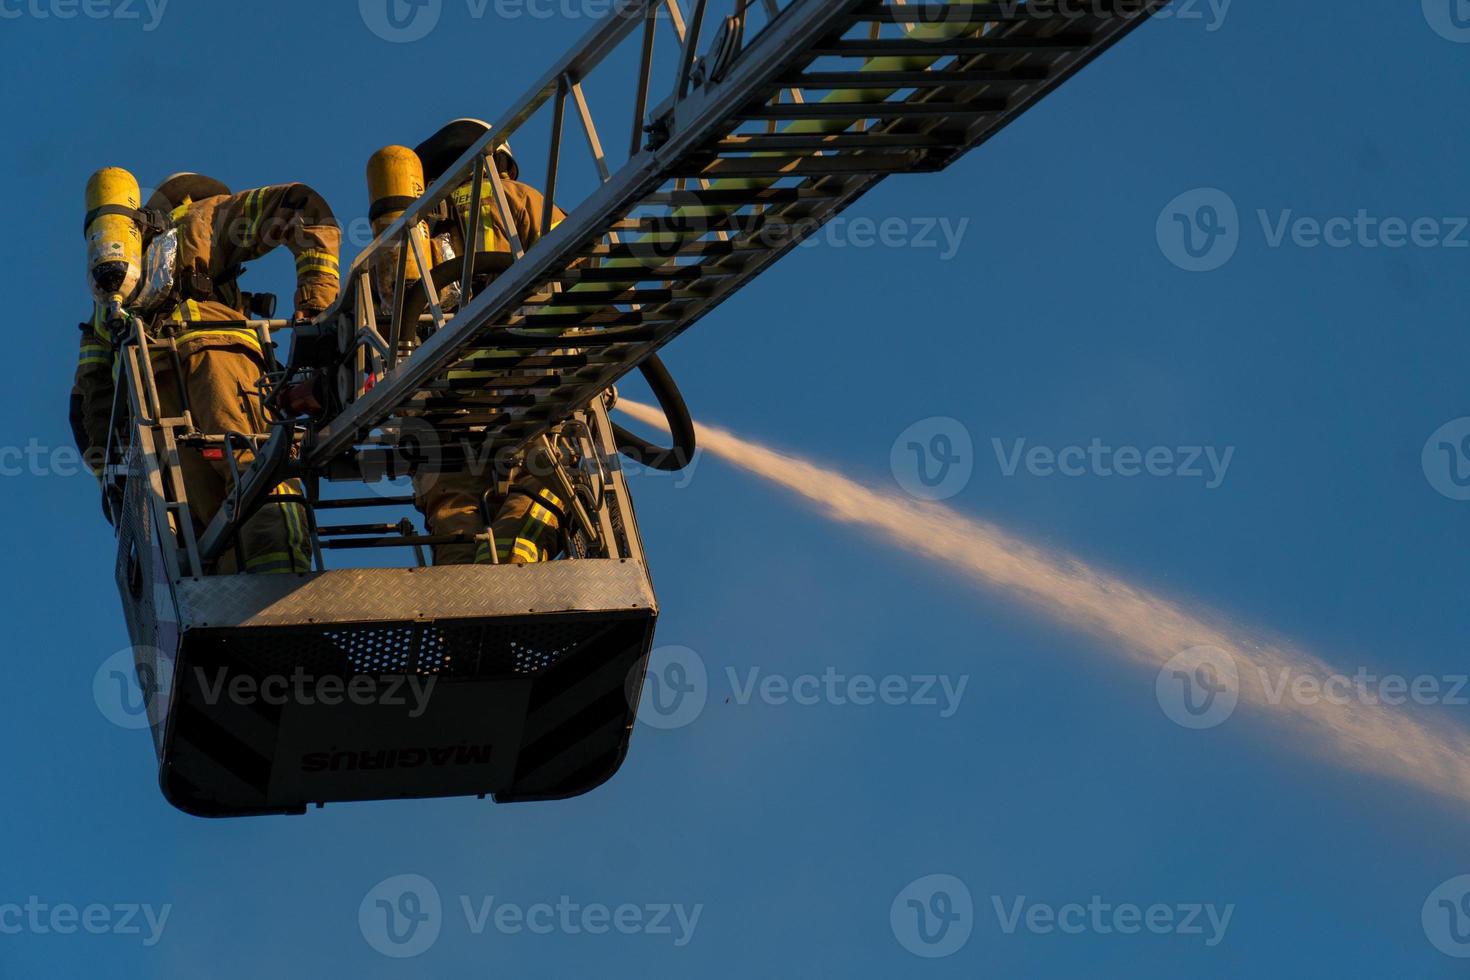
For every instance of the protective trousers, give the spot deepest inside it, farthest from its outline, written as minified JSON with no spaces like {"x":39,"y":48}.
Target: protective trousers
{"x":222,"y":396}
{"x":525,"y":528}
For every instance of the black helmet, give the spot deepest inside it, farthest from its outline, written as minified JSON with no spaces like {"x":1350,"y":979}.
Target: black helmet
{"x":439,"y":151}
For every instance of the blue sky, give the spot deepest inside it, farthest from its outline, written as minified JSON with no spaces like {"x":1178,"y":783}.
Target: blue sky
{"x":1062,"y":317}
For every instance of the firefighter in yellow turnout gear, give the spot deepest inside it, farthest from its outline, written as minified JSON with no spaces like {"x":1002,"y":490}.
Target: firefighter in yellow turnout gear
{"x":220,"y":365}
{"x":525,"y":521}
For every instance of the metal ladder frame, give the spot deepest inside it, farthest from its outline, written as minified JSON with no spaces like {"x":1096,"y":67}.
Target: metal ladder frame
{"x":1000,"y":60}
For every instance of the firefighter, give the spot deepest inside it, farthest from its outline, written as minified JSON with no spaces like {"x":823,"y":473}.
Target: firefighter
{"x":218,"y":373}
{"x":525,"y":520}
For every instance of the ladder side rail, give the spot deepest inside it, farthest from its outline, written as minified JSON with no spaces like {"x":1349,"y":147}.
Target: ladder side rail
{"x":616,"y":495}
{"x":161,"y":465}
{"x":596,"y":45}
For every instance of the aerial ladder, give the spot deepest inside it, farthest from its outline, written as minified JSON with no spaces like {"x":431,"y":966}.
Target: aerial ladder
{"x":781,"y":114}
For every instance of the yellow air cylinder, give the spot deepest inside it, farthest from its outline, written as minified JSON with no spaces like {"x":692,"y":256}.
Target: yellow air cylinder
{"x":114,"y":241}
{"x":395,"y":178}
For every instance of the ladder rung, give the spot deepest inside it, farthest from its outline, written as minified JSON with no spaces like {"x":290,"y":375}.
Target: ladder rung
{"x":915,"y":79}
{"x":762,"y":142}
{"x":338,"y":530}
{"x":483,"y":397}
{"x":692,"y":225}
{"x":992,"y":12}
{"x":716,"y":197}
{"x":628,"y":274}
{"x":609,"y":338}
{"x":603,"y":297}
{"x":919,"y":48}
{"x":477,"y":359}
{"x":354,"y":502}
{"x":873,"y":110}
{"x":662,"y":250}
{"x":805,"y":166}
{"x":503,"y":338}
{"x":952,"y":13}
{"x":493,"y":381}
{"x":449,"y":417}
{"x":396,"y":541}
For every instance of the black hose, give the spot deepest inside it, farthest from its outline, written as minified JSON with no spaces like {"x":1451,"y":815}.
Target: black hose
{"x":642,"y":451}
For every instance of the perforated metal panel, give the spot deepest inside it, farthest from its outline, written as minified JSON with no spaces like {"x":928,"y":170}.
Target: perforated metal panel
{"x":147,"y":596}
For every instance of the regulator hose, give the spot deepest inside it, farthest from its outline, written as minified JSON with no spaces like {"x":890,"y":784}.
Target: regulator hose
{"x":642,"y":451}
